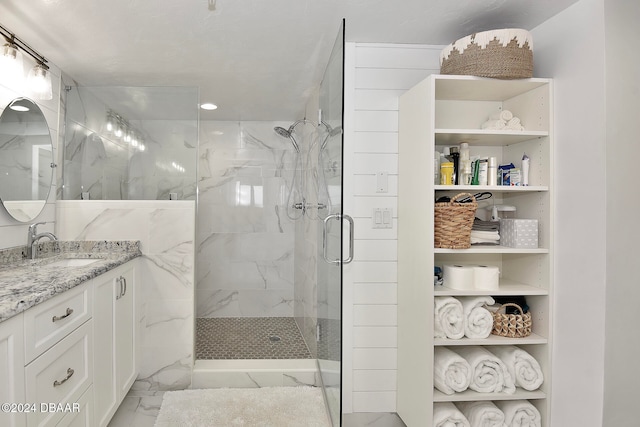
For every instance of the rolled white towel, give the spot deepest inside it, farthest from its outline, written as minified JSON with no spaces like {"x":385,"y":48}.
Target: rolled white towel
{"x":478,"y":321}
{"x":451,"y":373}
{"x":519,"y":413}
{"x":445,"y":414}
{"x":494,"y":124}
{"x":505,"y":115}
{"x":514,"y":124}
{"x":448,"y":318}
{"x":482,"y":414}
{"x":490,"y":374}
{"x":524,"y":368}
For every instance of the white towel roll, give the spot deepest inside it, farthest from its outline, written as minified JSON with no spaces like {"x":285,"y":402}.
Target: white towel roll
{"x":478,"y":321}
{"x":445,"y":414}
{"x":514,"y":124}
{"x":482,"y":414}
{"x":490,"y":374}
{"x":519,"y":413}
{"x":524,"y":368}
{"x":448,"y":318}
{"x":505,"y":115}
{"x":494,"y":124}
{"x":451,"y":373}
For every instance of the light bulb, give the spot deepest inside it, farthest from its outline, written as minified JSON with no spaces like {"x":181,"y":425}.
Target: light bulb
{"x":11,"y":67}
{"x":39,"y":79}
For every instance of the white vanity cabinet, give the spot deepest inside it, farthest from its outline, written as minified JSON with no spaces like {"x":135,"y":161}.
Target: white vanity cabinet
{"x":12,"y":370}
{"x":114,"y":350}
{"x":71,"y":359}
{"x":443,"y":111}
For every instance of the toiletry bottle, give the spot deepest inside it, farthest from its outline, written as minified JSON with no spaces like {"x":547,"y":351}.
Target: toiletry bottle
{"x":492,"y":172}
{"x":524,"y":178}
{"x":436,"y":168}
{"x":465,"y":174}
{"x":483,"y":171}
{"x":455,"y":159}
{"x":446,"y":173}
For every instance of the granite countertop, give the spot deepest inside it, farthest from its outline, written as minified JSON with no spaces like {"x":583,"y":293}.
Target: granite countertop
{"x":25,"y":282}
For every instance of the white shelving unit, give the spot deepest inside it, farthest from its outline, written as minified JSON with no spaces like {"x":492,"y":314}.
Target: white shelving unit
{"x":445,"y":110}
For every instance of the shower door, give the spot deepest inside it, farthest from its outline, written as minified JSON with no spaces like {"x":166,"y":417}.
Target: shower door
{"x":331,"y":223}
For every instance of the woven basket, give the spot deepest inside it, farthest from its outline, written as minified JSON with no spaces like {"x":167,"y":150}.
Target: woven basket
{"x":453,"y":221}
{"x":511,"y":325}
{"x":501,"y":54}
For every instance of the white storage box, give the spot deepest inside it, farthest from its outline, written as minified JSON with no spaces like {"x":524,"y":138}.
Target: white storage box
{"x":519,"y":233}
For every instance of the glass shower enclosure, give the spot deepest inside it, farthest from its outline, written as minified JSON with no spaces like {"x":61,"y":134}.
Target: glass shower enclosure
{"x":330,"y":228}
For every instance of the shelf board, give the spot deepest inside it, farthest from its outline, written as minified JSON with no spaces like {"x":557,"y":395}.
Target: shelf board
{"x":471,"y":88}
{"x":492,"y":188}
{"x":506,"y":287}
{"x":470,"y":395}
{"x":480,"y":249}
{"x":485,"y":137}
{"x":491,"y":340}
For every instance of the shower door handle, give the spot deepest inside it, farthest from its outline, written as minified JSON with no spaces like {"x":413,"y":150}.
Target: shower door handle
{"x":325,"y":234}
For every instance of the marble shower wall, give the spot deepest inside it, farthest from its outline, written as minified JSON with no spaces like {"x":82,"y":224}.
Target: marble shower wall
{"x":245,"y":233}
{"x":165,"y":310}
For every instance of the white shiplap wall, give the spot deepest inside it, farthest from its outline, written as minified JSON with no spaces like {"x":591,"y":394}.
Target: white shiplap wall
{"x":375,"y":76}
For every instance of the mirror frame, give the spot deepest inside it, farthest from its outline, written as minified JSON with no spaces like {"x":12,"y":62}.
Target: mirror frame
{"x":27,"y":210}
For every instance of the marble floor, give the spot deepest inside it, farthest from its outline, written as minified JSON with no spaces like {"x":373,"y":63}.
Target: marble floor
{"x":140,"y":409}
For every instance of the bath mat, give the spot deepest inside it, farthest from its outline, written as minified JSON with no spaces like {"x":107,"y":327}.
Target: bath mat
{"x":243,"y":407}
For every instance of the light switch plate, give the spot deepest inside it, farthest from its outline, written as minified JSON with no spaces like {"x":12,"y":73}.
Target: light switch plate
{"x":382,"y":218}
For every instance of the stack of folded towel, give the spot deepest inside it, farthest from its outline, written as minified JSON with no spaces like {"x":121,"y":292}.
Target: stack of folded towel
{"x":503,"y":120}
{"x":485,"y":232}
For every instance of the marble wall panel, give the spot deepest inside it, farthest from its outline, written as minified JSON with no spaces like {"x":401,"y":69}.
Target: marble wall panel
{"x":245,"y":238}
{"x":166,"y":230}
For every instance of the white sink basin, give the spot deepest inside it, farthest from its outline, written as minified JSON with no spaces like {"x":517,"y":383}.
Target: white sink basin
{"x":72,"y":262}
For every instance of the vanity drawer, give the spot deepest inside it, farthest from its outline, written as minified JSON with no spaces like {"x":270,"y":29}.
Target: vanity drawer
{"x":61,"y":375}
{"x":81,"y":414}
{"x":49,"y":322}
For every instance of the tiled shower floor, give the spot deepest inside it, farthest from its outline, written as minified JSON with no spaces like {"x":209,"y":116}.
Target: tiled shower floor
{"x":249,"y":338}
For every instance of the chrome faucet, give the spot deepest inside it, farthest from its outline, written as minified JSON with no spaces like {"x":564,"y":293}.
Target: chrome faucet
{"x":33,"y":237}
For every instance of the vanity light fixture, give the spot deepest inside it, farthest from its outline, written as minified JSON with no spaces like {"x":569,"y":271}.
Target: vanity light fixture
{"x":11,"y":64}
{"x":39,"y":80}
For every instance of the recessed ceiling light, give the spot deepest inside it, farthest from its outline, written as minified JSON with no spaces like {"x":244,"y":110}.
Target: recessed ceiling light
{"x":208,"y":106}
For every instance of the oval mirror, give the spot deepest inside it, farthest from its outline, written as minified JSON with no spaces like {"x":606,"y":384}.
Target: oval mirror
{"x":26,"y":159}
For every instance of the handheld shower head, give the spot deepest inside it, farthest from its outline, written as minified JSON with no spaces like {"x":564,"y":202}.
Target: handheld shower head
{"x":331,"y":132}
{"x":282,"y":132}
{"x":286,"y":133}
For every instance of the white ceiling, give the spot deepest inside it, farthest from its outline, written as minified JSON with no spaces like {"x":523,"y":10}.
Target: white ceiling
{"x":256,"y":59}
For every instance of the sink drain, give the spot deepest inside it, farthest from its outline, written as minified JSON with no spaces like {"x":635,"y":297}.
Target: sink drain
{"x":274,"y":338}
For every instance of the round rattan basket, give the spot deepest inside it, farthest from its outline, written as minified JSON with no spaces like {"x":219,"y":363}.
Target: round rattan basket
{"x":501,"y":54}
{"x":511,"y":325}
{"x":453,"y":221}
